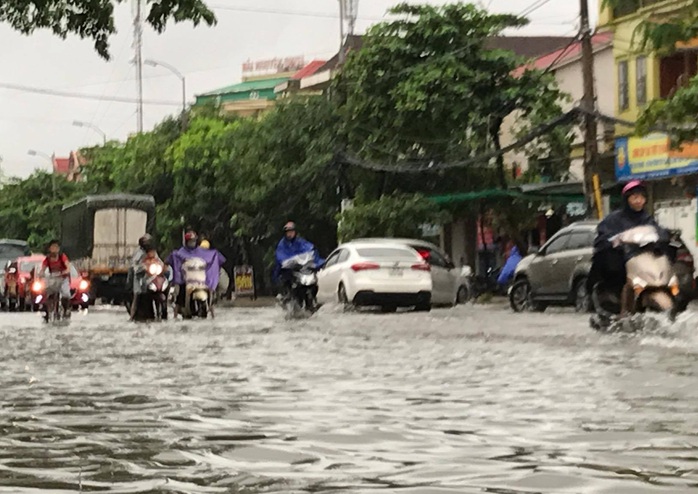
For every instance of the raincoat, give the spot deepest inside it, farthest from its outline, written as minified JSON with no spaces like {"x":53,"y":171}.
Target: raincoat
{"x":507,"y":273}
{"x":289,"y":248}
{"x":214,"y":261}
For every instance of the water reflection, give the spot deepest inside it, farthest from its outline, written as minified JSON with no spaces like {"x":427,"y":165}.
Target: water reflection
{"x":464,"y":400}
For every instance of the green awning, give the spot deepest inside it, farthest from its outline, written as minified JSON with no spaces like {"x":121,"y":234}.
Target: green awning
{"x":490,"y":194}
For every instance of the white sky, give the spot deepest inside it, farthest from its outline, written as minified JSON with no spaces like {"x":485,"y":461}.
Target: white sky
{"x":208,"y":57}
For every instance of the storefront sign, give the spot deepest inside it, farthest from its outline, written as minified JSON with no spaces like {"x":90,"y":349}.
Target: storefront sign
{"x":273,"y":65}
{"x":244,"y":281}
{"x":652,"y":157}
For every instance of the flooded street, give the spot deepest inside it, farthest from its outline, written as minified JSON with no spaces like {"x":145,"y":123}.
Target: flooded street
{"x":465,"y":400}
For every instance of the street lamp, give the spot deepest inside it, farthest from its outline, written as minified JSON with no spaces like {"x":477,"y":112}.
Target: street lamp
{"x":156,"y":63}
{"x":32,"y":152}
{"x":92,"y":126}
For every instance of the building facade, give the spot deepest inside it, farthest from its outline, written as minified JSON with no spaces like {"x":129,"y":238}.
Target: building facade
{"x":643,"y":76}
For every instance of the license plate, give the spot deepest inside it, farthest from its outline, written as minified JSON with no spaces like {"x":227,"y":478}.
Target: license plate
{"x":396,"y":272}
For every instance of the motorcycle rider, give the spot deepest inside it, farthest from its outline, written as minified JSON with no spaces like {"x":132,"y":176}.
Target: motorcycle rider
{"x":289,"y":246}
{"x":213,"y":258}
{"x":608,"y":262}
{"x":134,"y":279}
{"x":56,"y":262}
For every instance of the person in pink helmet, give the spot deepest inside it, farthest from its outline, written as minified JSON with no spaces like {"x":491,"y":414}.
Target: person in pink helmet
{"x":608,"y":263}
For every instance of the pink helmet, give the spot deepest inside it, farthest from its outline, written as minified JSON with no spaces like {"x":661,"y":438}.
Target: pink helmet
{"x":631,"y":186}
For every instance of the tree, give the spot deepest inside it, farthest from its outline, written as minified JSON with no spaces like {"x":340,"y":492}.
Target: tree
{"x":398,"y":215}
{"x":426,"y":87}
{"x":660,"y":33}
{"x":95,"y":19}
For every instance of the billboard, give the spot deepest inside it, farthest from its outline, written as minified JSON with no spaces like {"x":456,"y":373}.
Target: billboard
{"x":244,"y":281}
{"x":652,"y":157}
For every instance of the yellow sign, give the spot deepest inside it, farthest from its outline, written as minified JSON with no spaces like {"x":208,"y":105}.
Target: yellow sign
{"x":653,"y":157}
{"x":244,"y":280}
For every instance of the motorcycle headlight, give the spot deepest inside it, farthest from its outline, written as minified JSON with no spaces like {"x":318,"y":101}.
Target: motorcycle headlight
{"x":155,"y":270}
{"x":307,"y":279}
{"x":674,"y":285}
{"x":37,"y":286}
{"x":84,"y":285}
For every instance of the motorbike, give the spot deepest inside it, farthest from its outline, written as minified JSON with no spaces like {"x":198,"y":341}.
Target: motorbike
{"x":650,"y":271}
{"x":486,"y":284}
{"x":46,"y":293}
{"x":151,"y":301}
{"x":197,"y":299}
{"x":300,"y":274}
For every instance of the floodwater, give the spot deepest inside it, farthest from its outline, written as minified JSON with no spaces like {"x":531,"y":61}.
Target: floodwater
{"x":464,"y":400}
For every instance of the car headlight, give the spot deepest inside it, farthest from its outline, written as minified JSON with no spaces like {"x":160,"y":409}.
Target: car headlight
{"x":84,"y":285}
{"x":155,"y":270}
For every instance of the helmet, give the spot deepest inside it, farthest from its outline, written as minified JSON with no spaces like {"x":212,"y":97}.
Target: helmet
{"x":633,"y":186}
{"x":290,"y":227}
{"x":205,"y":244}
{"x":146,"y":241}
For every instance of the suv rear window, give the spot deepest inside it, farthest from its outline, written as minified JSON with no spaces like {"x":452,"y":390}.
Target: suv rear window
{"x":386,"y":253}
{"x":12,"y":251}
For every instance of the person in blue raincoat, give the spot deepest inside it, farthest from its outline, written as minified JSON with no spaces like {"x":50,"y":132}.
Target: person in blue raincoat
{"x":507,"y":273}
{"x":292,"y":245}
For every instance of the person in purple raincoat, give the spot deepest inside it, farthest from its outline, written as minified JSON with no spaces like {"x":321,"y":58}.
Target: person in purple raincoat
{"x":214,"y":260}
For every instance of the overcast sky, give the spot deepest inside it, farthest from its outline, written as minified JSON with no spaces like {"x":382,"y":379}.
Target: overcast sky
{"x":208,"y":57}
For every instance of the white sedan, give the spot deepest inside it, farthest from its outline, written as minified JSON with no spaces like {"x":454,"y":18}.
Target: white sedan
{"x":370,"y":274}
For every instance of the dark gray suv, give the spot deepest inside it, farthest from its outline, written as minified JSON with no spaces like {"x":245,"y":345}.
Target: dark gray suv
{"x":557,"y":273}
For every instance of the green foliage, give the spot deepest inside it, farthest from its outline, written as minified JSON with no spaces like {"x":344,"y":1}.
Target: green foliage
{"x":95,"y":19}
{"x":426,"y":86}
{"x":30,"y":210}
{"x":398,"y":215}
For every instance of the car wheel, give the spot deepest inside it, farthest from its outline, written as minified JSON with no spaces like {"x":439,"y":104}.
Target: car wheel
{"x":342,"y":297}
{"x":463,"y":295}
{"x":582,"y":299}
{"x":520,"y":298}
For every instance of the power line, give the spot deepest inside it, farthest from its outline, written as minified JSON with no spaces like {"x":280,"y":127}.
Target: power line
{"x":483,"y":159}
{"x":533,"y":7}
{"x":69,"y":94}
{"x":298,"y":13}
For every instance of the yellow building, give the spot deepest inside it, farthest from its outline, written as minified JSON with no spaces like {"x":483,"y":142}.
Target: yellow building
{"x":642,"y":75}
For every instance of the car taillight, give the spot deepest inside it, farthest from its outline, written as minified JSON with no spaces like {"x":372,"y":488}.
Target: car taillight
{"x":365,"y":266}
{"x":424,"y":254}
{"x":422,"y":266}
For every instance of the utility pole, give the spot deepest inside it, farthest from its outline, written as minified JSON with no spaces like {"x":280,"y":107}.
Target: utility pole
{"x":341,"y":32}
{"x":138,"y":46}
{"x":591,"y":145}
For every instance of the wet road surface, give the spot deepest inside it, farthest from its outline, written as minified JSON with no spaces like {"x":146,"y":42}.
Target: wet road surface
{"x":464,"y":400}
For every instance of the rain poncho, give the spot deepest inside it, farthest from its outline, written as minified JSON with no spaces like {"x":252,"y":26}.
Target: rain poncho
{"x":289,"y":248}
{"x":214,"y":260}
{"x":507,"y":273}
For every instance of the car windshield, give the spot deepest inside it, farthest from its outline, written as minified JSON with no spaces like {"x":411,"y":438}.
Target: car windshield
{"x":11,"y":251}
{"x":386,"y":253}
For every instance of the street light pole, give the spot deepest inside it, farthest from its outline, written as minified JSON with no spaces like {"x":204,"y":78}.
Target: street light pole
{"x":156,"y":63}
{"x":92,"y":126}
{"x":32,"y":152}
